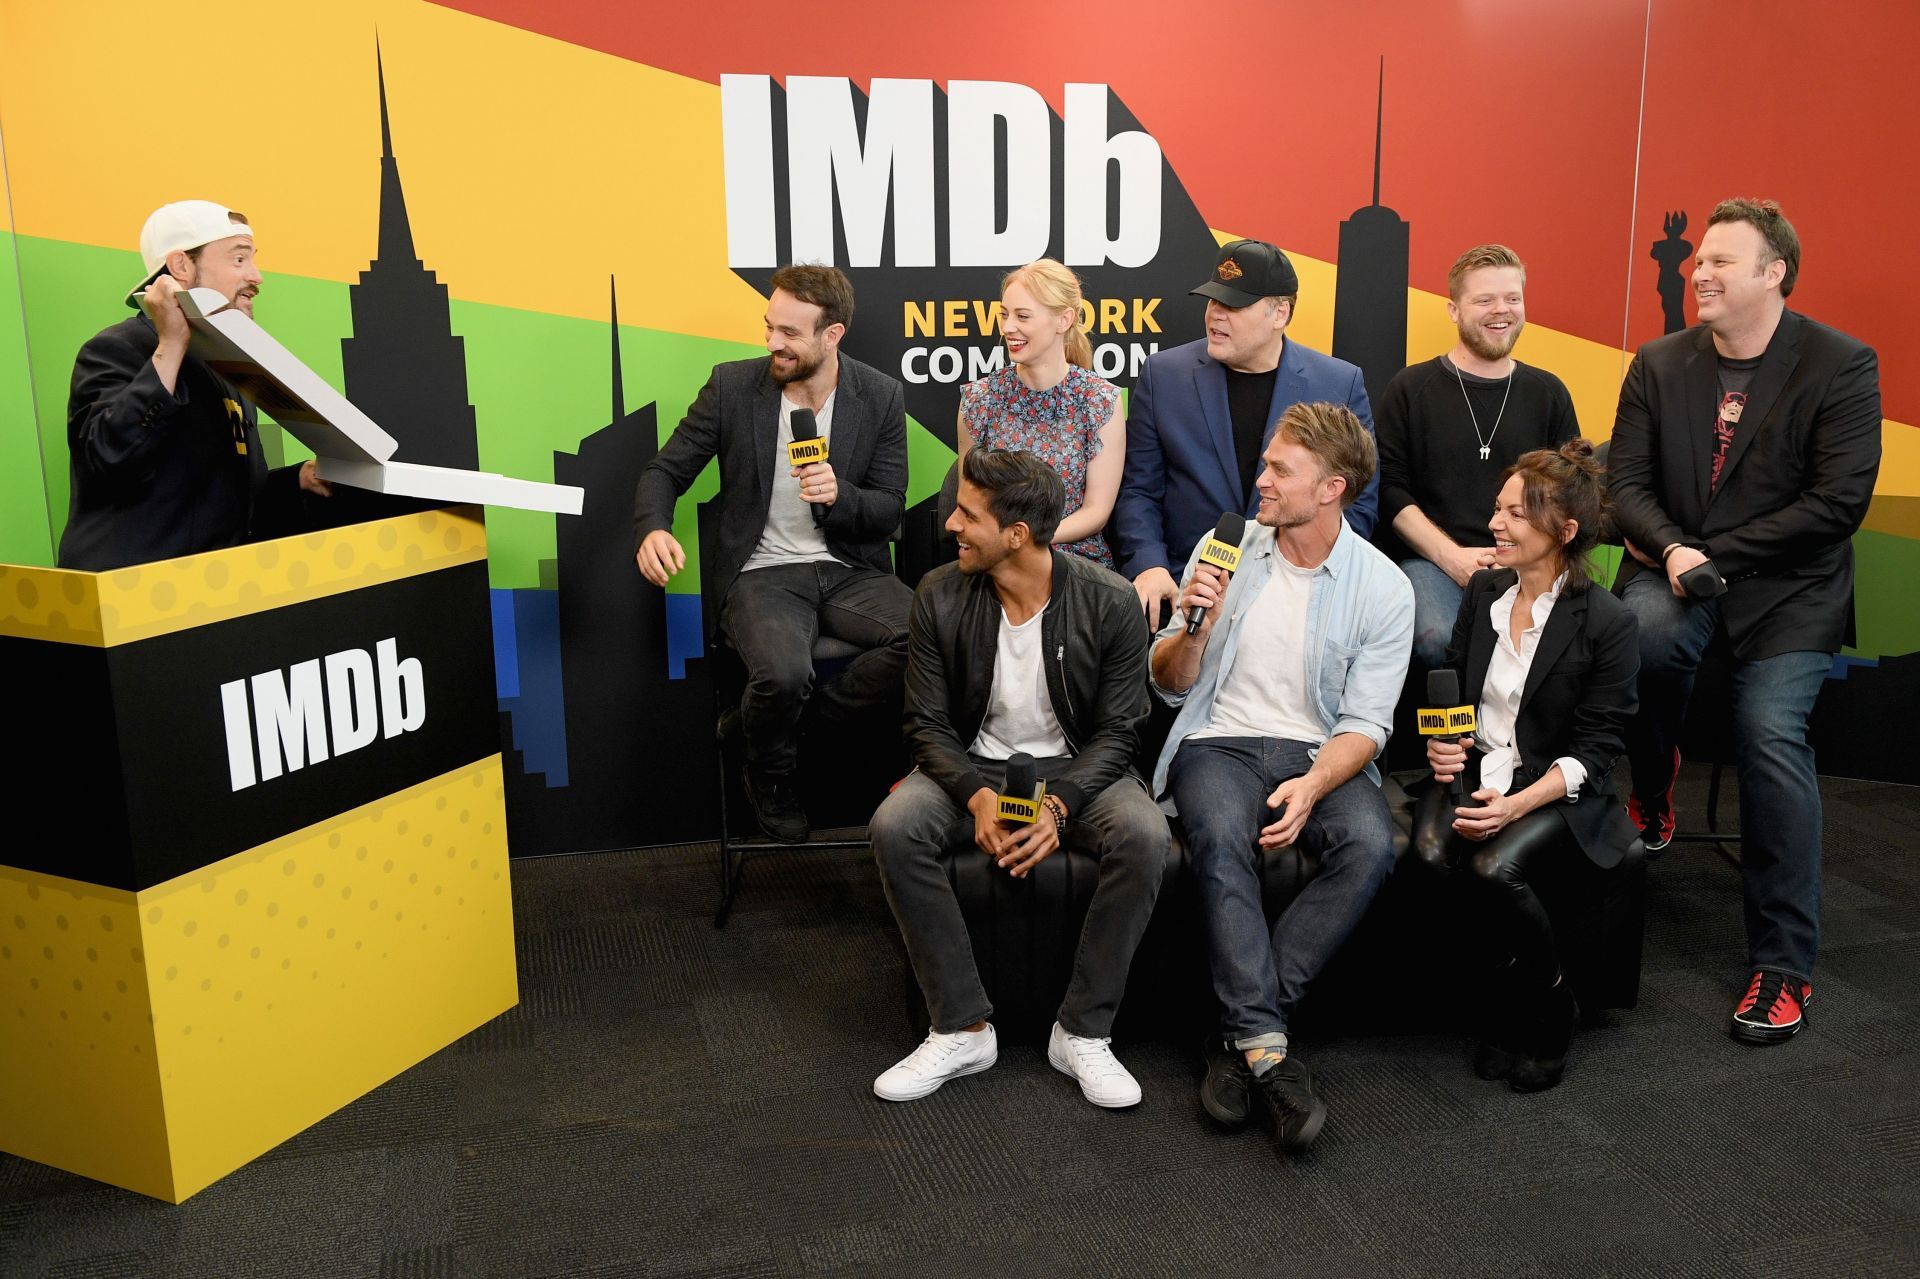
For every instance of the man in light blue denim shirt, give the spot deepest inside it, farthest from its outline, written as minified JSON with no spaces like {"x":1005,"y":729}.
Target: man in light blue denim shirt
{"x":1286,"y":693}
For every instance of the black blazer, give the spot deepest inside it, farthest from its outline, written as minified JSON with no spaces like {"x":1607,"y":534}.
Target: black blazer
{"x":737,"y":417}
{"x":1580,"y":693}
{"x":1796,"y":484}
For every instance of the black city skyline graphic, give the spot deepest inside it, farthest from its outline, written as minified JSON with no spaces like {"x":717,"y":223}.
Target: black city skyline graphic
{"x":633,"y":736}
{"x":1370,"y":288}
{"x":638,"y":745}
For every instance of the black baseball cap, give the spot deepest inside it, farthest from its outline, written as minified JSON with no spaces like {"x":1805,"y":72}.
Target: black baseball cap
{"x":1246,"y":271}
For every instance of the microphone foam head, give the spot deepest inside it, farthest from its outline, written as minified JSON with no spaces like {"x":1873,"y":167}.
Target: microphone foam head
{"x":1231,"y":528}
{"x":1443,"y":687}
{"x":803,"y":424}
{"x":1021,"y":775}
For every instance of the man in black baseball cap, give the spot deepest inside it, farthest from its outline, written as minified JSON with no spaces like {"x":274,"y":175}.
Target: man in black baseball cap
{"x":1200,"y":416}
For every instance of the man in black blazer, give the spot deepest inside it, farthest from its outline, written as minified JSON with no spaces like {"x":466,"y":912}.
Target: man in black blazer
{"x":1744,"y":455}
{"x":801,"y":549}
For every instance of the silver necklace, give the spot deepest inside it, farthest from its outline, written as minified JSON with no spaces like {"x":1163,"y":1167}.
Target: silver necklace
{"x":1486,"y":441}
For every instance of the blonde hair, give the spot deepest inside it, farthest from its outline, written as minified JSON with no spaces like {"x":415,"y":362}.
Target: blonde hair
{"x":1338,"y":439}
{"x":1056,"y":288}
{"x":1478,"y":258}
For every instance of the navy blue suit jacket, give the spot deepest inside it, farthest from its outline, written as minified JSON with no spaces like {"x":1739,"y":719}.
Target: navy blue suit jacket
{"x":1180,"y":472}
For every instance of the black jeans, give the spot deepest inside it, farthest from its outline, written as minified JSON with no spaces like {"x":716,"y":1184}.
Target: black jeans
{"x":1121,"y":827}
{"x":1517,"y":924}
{"x":772,"y":616}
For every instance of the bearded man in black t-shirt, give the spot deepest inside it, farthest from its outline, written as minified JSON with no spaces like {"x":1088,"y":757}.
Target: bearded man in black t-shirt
{"x":1448,"y":428}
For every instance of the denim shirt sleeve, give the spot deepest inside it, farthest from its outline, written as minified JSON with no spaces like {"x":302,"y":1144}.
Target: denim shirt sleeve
{"x":1175,"y":624}
{"x":1383,"y":637}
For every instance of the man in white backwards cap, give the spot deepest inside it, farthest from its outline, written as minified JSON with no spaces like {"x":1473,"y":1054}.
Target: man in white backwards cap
{"x":165,"y":453}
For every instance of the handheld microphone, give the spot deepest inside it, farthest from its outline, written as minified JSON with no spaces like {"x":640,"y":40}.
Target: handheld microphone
{"x":1222,"y":550}
{"x":1447,"y":721}
{"x":1021,"y":793}
{"x":1703,"y":582}
{"x":806,"y":448}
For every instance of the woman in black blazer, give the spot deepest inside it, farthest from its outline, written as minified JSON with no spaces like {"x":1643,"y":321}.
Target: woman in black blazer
{"x":1550,"y":667}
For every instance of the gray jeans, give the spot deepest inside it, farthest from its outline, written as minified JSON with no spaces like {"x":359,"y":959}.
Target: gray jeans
{"x":1121,"y":827}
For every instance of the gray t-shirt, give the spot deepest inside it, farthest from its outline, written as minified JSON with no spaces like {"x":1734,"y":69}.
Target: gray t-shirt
{"x":791,"y":536}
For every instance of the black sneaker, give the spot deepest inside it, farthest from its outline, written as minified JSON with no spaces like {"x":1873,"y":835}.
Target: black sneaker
{"x":777,"y":806}
{"x":1223,"y":1092}
{"x":1773,"y":1009}
{"x":1654,"y":818}
{"x":1295,"y":1111}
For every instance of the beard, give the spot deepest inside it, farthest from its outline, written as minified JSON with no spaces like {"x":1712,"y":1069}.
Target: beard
{"x":801,"y":370}
{"x":1485,"y":347}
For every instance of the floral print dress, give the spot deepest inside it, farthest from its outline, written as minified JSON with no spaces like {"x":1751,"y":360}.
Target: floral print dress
{"x":1061,"y":425}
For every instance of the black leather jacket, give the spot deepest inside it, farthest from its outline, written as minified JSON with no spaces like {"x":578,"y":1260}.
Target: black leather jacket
{"x":1095,"y":652}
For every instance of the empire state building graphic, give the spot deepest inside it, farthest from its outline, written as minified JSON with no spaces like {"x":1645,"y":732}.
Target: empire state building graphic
{"x":403,"y":364}
{"x":1370,"y":298}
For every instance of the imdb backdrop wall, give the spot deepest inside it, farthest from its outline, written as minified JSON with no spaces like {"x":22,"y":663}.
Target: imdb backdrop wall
{"x":520,"y":232}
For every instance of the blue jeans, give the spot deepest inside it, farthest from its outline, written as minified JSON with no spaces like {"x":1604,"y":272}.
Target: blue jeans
{"x":1436,"y":603}
{"x":1780,"y":829}
{"x":771,"y":617}
{"x":1220,"y":785}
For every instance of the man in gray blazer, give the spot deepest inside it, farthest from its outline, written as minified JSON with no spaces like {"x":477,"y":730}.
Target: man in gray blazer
{"x":801,"y":549}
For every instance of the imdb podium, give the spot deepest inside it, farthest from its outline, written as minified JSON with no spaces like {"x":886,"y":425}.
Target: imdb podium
{"x":260,"y":859}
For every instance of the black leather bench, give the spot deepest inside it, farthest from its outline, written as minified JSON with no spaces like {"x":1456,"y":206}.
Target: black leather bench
{"x":1024,"y":934}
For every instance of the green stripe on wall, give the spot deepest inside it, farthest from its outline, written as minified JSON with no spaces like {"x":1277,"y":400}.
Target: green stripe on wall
{"x":538,"y":383}
{"x":26,"y":536}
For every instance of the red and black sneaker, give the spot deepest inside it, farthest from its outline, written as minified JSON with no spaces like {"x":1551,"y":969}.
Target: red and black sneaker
{"x":1773,"y":1009}
{"x":1655,"y":820}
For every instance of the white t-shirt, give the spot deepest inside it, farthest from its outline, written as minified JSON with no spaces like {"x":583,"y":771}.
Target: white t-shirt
{"x":1265,"y":694}
{"x":1019,"y":711}
{"x":791,"y":536}
{"x":1500,"y":693}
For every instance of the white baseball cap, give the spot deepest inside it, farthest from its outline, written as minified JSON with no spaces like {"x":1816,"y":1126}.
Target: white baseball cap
{"x":184,"y":224}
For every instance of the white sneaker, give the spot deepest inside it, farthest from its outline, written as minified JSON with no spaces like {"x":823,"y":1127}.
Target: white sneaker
{"x":1103,"y":1080}
{"x":938,"y":1059}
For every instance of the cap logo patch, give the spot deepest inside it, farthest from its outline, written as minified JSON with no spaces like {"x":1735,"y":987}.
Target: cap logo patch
{"x":1230,"y":270}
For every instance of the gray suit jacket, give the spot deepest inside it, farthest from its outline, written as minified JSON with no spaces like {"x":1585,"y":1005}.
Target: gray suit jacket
{"x":736,"y":417}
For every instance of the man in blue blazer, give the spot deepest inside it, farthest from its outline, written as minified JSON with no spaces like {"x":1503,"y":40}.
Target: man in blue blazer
{"x":1200,"y":416}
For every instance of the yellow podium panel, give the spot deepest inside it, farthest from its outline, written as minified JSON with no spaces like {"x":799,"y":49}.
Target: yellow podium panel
{"x":175,"y":1003}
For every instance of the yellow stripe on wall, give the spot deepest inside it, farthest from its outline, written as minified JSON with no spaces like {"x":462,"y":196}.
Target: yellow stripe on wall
{"x":533,"y":169}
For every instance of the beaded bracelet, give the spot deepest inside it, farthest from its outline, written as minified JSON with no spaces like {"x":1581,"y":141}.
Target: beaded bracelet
{"x":1059,"y":811}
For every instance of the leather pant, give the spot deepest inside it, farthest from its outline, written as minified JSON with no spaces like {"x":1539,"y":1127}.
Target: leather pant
{"x":1517,"y":920}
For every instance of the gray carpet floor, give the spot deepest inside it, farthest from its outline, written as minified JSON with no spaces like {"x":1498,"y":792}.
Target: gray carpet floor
{"x":672,"y":1100}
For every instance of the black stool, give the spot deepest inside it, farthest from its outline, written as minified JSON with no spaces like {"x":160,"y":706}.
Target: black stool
{"x":829,"y":655}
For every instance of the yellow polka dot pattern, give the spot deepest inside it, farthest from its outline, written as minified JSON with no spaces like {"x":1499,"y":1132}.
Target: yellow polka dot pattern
{"x":280,"y":983}
{"x":118,"y":607}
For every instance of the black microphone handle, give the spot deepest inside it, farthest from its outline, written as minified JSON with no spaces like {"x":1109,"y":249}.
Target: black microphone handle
{"x":1196,"y":615}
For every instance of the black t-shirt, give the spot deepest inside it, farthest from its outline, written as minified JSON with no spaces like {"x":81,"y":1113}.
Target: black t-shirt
{"x":1735,"y":377}
{"x":1249,"y":396}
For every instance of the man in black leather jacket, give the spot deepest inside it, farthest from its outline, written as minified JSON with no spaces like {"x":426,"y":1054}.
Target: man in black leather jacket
{"x":1019,"y":650}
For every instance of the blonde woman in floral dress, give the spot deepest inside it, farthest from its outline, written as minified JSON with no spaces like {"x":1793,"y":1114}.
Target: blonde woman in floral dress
{"x":1048,"y":402}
